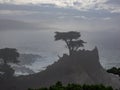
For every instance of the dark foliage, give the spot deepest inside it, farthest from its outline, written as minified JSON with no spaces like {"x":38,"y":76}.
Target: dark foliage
{"x":7,"y":72}
{"x":72,"y":40}
{"x":67,"y":35}
{"x":9,"y":55}
{"x":59,"y":86}
{"x":114,"y":70}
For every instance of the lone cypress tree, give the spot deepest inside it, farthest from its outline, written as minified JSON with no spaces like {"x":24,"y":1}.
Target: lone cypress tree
{"x":72,"y":40}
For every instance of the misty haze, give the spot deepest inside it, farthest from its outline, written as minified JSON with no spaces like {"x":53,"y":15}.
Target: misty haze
{"x":30,"y":27}
{"x":42,"y":43}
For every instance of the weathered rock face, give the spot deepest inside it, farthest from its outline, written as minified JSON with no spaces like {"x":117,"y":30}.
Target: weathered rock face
{"x":82,"y":67}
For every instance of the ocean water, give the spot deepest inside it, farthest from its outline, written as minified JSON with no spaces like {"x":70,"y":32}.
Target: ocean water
{"x":42,"y":43}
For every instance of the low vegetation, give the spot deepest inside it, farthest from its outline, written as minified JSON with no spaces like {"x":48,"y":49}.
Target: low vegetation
{"x":114,"y":70}
{"x":59,"y":86}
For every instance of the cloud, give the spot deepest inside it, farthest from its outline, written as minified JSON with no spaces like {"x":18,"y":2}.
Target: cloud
{"x":9,"y":24}
{"x":81,"y":17}
{"x":17,"y":12}
{"x":6,"y":24}
{"x":82,"y":5}
{"x":113,"y":8}
{"x":116,"y":2}
{"x":82,"y":14}
{"x":106,"y":18}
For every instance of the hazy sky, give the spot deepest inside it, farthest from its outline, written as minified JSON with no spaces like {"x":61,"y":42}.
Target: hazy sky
{"x":90,"y":15}
{"x":99,"y":16}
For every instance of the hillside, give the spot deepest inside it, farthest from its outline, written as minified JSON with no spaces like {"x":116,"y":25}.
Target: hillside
{"x":82,"y":67}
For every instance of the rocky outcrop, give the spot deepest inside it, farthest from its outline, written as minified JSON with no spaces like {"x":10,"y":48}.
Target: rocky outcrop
{"x":82,"y":67}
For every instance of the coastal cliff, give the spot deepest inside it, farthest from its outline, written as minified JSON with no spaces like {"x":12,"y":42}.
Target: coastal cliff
{"x":82,"y":67}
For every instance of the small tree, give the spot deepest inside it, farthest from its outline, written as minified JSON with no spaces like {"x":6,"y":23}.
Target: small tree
{"x":9,"y":55}
{"x":72,"y":40}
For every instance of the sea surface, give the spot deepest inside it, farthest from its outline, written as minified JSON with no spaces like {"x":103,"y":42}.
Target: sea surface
{"x":41,"y":42}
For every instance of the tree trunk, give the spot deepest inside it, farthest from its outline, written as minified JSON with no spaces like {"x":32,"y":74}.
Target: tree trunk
{"x":68,"y":47}
{"x":5,"y":62}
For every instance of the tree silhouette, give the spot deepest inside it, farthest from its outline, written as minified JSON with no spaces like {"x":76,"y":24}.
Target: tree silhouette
{"x":114,"y":70}
{"x":72,"y":86}
{"x":72,"y":40}
{"x":9,"y":55}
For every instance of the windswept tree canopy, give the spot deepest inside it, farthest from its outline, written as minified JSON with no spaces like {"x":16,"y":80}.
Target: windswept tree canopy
{"x":9,"y":55}
{"x":67,"y":35}
{"x":72,"y":40}
{"x":76,"y":44}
